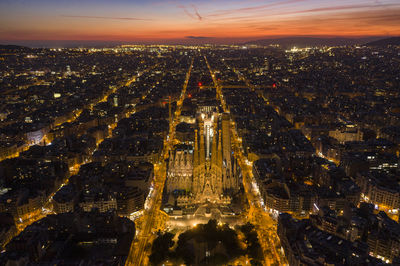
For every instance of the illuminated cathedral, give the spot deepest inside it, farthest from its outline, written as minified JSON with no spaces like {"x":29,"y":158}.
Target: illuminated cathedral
{"x":205,"y":171}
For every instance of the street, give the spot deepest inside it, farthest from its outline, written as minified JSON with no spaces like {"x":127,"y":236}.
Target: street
{"x":265,"y":225}
{"x":153,"y":218}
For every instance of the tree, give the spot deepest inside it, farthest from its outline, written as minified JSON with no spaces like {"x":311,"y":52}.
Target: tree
{"x":160,"y":250}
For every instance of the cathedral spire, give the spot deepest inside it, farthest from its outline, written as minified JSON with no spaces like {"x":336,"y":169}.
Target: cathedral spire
{"x":214,"y":156}
{"x":219,"y":158}
{"x":196,"y":150}
{"x":202,"y":153}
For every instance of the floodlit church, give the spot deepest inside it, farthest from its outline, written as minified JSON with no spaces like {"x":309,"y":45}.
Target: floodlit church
{"x":203,"y":171}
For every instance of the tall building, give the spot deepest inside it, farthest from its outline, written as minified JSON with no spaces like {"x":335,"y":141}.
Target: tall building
{"x":205,"y":172}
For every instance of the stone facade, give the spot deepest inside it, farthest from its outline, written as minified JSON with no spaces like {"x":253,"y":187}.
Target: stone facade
{"x":204,"y":172}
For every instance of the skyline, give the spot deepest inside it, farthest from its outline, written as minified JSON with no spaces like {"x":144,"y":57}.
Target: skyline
{"x":200,"y":132}
{"x":193,"y":21}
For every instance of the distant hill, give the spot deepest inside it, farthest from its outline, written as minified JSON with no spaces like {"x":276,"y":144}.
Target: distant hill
{"x":313,"y":41}
{"x":9,"y":47}
{"x":385,"y":42}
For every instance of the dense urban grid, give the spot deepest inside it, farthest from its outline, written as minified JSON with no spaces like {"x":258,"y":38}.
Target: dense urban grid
{"x":200,"y":155}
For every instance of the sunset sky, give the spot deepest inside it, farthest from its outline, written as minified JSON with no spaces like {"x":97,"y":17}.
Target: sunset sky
{"x":157,"y":21}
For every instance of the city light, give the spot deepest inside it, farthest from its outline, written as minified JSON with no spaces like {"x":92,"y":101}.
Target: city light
{"x":136,"y":146}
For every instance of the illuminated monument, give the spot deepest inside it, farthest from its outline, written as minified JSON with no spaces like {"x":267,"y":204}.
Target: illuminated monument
{"x":205,"y":172}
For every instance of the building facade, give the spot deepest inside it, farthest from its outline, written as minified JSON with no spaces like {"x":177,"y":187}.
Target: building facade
{"x":205,"y":172}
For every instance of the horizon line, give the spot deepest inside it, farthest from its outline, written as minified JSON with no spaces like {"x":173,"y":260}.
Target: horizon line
{"x":182,"y":41}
